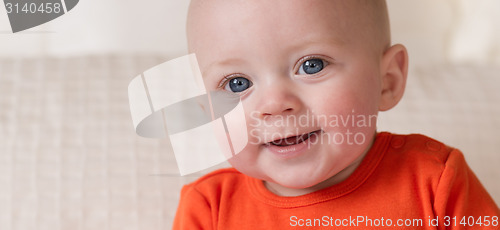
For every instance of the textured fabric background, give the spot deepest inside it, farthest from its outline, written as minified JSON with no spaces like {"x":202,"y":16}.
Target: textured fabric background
{"x":69,"y":157}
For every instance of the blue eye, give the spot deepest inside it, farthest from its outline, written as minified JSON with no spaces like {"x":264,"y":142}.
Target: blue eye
{"x":311,"y":66}
{"x":238,"y":84}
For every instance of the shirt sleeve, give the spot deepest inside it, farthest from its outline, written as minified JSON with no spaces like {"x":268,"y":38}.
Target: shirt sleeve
{"x":461,"y":202}
{"x":193,"y":211}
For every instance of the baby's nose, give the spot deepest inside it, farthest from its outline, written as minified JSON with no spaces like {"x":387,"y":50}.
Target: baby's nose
{"x":279,"y":100}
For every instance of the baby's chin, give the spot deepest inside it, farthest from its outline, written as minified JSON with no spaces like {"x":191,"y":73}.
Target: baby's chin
{"x":290,"y":179}
{"x":296,"y":185}
{"x":321,"y":167}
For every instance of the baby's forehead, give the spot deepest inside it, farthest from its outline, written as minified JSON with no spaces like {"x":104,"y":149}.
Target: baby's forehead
{"x":297,"y":7}
{"x":348,"y":13}
{"x":218,"y":27}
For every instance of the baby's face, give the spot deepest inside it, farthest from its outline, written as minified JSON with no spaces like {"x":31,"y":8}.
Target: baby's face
{"x":304,"y":70}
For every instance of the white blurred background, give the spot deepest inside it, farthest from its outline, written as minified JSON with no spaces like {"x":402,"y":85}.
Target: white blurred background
{"x":69,"y":157}
{"x":435,"y":32}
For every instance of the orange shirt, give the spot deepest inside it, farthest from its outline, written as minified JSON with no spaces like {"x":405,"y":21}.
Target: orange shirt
{"x":404,"y":182}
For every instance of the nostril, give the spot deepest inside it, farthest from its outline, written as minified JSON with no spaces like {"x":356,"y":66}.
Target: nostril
{"x":270,"y":114}
{"x":289,"y":110}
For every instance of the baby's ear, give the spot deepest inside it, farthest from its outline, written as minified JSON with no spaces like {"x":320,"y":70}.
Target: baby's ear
{"x":394,"y":71}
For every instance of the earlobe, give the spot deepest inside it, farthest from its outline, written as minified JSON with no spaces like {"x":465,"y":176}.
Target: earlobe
{"x":394,"y":71}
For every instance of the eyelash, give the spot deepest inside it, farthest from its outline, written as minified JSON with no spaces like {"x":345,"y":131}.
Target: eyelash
{"x":227,"y":78}
{"x":307,"y":58}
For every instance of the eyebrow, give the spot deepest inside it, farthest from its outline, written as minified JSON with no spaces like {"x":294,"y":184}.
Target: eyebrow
{"x":225,"y":62}
{"x":315,"y":41}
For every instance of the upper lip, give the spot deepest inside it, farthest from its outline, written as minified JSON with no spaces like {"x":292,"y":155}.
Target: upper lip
{"x":291,"y":135}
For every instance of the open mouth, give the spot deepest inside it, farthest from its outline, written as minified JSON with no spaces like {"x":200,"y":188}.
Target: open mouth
{"x":293,"y":140}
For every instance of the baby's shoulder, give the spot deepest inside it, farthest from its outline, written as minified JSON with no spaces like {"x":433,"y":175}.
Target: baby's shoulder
{"x":418,"y":147}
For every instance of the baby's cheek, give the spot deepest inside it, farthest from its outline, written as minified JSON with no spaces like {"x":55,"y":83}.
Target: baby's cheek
{"x":222,"y":140}
{"x":253,"y":139}
{"x":351,"y":122}
{"x":233,"y":135}
{"x":247,"y":161}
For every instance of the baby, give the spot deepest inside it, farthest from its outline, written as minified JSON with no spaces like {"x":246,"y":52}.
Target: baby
{"x":312,"y":76}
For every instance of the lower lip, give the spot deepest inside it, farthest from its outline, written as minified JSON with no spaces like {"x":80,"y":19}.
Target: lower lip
{"x":290,"y":151}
